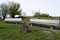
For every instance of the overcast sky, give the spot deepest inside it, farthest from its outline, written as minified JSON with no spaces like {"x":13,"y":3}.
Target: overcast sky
{"x":51,"y":7}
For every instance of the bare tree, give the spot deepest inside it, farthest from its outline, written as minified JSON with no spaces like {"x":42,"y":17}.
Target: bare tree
{"x":4,"y":7}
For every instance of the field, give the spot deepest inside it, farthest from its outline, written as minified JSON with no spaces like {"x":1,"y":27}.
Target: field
{"x":12,"y":32}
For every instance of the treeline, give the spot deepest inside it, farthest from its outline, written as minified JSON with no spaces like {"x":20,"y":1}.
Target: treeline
{"x":38,"y":14}
{"x":14,"y":8}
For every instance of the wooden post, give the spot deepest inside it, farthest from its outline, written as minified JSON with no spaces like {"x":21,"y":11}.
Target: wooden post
{"x":25,"y":27}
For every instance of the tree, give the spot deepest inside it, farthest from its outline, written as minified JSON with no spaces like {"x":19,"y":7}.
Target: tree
{"x":4,"y":7}
{"x":14,"y":9}
{"x":44,"y":15}
{"x":37,"y":14}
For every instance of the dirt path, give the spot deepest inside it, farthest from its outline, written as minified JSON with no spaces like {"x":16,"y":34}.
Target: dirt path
{"x":45,"y":29}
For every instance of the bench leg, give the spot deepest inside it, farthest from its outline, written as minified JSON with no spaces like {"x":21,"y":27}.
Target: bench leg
{"x":51,"y":28}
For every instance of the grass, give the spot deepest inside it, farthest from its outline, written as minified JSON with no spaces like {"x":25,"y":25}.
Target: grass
{"x":12,"y":32}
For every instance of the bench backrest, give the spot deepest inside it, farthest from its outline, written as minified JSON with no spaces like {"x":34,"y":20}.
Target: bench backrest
{"x":45,"y":21}
{"x":13,"y":19}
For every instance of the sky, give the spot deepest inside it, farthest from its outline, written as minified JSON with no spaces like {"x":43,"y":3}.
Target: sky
{"x":51,"y":7}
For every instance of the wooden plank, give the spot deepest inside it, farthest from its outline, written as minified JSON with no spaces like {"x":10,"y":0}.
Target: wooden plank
{"x":45,"y":21}
{"x":13,"y":19}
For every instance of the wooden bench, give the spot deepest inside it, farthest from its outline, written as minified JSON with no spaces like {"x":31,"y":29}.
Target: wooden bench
{"x":17,"y":20}
{"x":49,"y":22}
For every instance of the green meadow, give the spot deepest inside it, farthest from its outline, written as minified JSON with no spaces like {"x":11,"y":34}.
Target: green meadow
{"x":9,"y":31}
